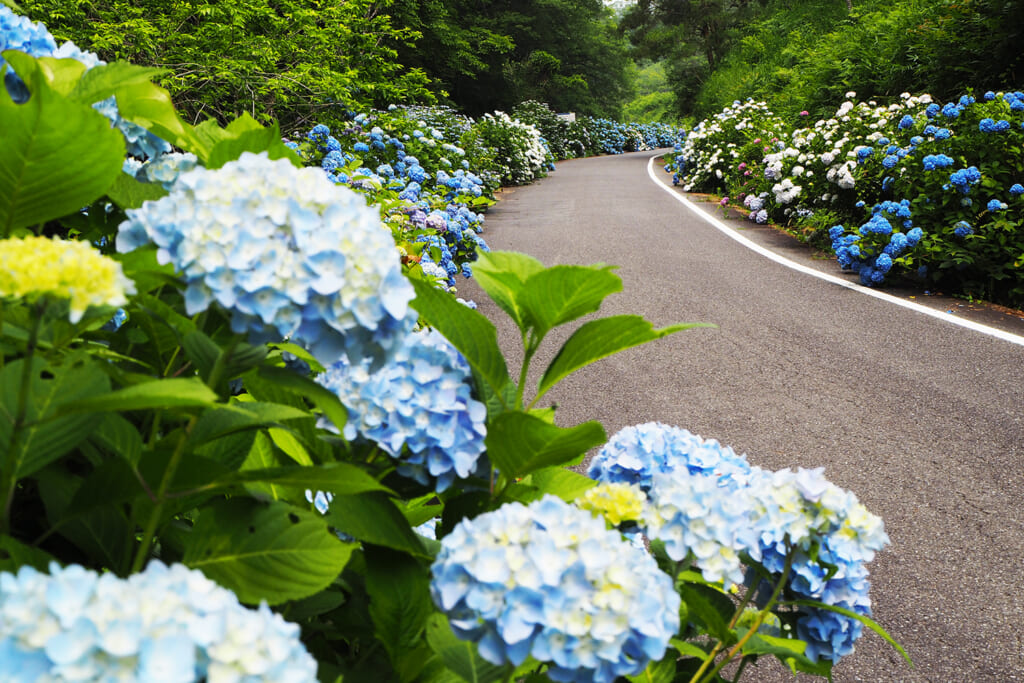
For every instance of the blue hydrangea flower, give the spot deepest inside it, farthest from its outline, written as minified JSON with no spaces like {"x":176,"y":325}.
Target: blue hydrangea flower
{"x":914,"y":237}
{"x":551,"y":581}
{"x":285,"y":251}
{"x":951,"y":111}
{"x":1017,"y":189}
{"x":166,"y":624}
{"x":705,"y":518}
{"x":962,"y":229}
{"x":934,"y":161}
{"x":361,"y":147}
{"x":964,"y":178}
{"x":906,"y":122}
{"x":932,"y":110}
{"x":418,"y":408}
{"x":943,"y":134}
{"x":635,"y":454}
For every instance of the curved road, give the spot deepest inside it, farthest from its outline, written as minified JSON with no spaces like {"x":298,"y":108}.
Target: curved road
{"x":923,"y":420}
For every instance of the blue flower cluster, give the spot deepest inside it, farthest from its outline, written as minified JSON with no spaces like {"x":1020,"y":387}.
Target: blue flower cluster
{"x":164,"y":625}
{"x":21,"y":34}
{"x":832,"y":536}
{"x":712,"y":507}
{"x":964,"y":178}
{"x":288,"y":253}
{"x":962,"y":229}
{"x":636,"y":454}
{"x":417,"y":408}
{"x":934,"y":161}
{"x":988,"y":125}
{"x":551,"y":581}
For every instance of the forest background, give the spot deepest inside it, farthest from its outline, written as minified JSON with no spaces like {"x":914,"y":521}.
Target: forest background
{"x":649,"y":60}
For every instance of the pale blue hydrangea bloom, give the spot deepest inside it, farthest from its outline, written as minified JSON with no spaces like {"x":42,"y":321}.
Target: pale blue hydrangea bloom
{"x":634,"y":455}
{"x":418,"y":408}
{"x":552,"y":582}
{"x":164,"y":625}
{"x":704,"y":518}
{"x":287,"y":252}
{"x":21,"y":34}
{"x":166,"y":168}
{"x":804,"y":511}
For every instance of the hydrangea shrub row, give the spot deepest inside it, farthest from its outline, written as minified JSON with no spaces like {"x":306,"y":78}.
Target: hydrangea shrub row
{"x":917,"y":188}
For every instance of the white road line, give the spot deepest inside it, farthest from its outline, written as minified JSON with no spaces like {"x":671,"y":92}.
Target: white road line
{"x":867,"y":291}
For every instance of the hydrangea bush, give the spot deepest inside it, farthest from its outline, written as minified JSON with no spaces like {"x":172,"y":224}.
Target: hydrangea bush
{"x":264,"y":445}
{"x":914,"y":188}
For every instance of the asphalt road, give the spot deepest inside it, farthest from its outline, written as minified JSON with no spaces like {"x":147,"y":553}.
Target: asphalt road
{"x":922,"y":419}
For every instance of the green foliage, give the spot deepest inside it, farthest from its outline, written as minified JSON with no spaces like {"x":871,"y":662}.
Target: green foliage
{"x":289,"y":61}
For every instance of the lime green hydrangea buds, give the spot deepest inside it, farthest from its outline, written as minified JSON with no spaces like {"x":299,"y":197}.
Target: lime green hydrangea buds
{"x":617,"y":502}
{"x":64,"y":269}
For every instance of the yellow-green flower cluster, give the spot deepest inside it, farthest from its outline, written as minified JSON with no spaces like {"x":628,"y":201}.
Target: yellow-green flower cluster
{"x":617,"y":502}
{"x":65,"y":269}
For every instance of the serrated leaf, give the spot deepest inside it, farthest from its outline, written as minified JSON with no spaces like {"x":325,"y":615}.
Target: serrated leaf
{"x":150,"y":106}
{"x":14,"y":554}
{"x":399,"y":590}
{"x":177,"y":392}
{"x":468,"y":331}
{"x":58,"y":155}
{"x":783,"y":648}
{"x":599,"y":339}
{"x":273,"y":552}
{"x":324,"y":399}
{"x":242,"y":416}
{"x":557,"y":481}
{"x":103,"y":80}
{"x":519,"y":443}
{"x":502,"y":274}
{"x":46,"y":433}
{"x":711,"y":609}
{"x":373,"y":518}
{"x":560,"y":294}
{"x":129,"y":193}
{"x":461,"y":656}
{"x":246,"y":135}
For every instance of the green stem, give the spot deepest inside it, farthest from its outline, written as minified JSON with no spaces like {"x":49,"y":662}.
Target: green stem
{"x":161,"y":498}
{"x":755,"y":626}
{"x":8,"y":481}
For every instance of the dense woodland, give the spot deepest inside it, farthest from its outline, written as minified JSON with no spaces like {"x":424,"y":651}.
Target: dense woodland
{"x":672,"y":60}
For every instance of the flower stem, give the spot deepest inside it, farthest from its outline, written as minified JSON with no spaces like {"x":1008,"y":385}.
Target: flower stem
{"x":783,"y":578}
{"x":8,"y":480}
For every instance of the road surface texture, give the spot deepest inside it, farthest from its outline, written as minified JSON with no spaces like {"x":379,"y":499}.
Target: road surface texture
{"x":922,"y":419}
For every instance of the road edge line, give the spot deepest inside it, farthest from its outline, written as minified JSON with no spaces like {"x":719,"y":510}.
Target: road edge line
{"x":799,"y":267}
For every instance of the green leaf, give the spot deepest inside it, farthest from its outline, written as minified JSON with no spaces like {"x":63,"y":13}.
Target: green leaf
{"x":688,"y":649}
{"x":372,"y":517}
{"x":663,"y":671}
{"x":273,"y":552}
{"x":261,"y":456}
{"x":183,"y":392}
{"x":460,"y":655}
{"x":560,"y":294}
{"x":241,"y":416}
{"x":599,"y":339}
{"x":341,"y":479}
{"x":867,"y":621}
{"x":290,"y":445}
{"x":324,"y":399}
{"x":14,"y":554}
{"x":783,"y":648}
{"x":469,"y":331}
{"x":102,"y":533}
{"x":709,"y":608}
{"x":58,"y":155}
{"x":519,"y":443}
{"x":46,"y":435}
{"x":150,"y":106}
{"x":502,"y":274}
{"x":249,"y":136}
{"x":104,"y":80}
{"x":399,"y":590}
{"x":565,"y":484}
{"x":129,"y":193}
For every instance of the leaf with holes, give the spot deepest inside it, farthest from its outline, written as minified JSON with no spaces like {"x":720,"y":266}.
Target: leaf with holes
{"x":273,"y":552}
